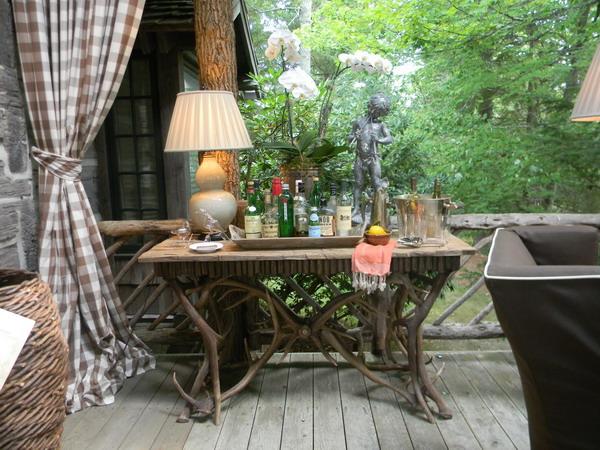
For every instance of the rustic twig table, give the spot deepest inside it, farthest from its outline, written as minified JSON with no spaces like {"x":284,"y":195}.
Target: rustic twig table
{"x":204,"y":284}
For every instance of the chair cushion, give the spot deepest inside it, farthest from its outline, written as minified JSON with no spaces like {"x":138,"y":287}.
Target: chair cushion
{"x":556,"y":245}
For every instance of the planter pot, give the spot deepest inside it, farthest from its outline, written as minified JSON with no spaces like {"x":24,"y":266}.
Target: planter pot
{"x":32,"y":401}
{"x":291,"y":174}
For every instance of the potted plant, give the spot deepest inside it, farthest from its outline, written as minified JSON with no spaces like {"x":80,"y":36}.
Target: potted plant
{"x":301,"y":111}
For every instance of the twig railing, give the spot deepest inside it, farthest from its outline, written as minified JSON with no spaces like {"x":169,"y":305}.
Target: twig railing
{"x":121,"y":232}
{"x":487,"y":224}
{"x":124,"y":231}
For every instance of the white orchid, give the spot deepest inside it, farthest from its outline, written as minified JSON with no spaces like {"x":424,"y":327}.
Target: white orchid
{"x":272,"y":52}
{"x":366,"y":61}
{"x":299,"y":83}
{"x":286,"y":40}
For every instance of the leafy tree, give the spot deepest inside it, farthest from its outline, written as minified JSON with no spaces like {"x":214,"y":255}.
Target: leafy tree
{"x":488,"y":110}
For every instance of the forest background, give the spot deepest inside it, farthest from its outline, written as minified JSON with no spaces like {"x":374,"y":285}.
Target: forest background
{"x":481,"y":95}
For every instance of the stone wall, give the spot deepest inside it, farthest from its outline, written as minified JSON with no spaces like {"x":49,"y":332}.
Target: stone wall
{"x":18,"y":216}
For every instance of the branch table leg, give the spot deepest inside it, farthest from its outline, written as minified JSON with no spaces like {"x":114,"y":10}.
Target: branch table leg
{"x":210,"y":340}
{"x":421,"y":382}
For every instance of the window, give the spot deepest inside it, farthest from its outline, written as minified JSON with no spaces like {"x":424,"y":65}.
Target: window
{"x":134,"y":145}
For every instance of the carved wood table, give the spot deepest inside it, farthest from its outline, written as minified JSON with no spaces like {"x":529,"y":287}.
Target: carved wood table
{"x":210,"y":287}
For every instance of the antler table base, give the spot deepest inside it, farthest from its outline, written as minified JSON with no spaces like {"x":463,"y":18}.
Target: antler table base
{"x":224,"y":281}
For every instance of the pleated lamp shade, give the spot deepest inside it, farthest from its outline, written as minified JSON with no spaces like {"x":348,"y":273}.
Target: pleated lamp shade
{"x":206,"y":120}
{"x":587,"y":105}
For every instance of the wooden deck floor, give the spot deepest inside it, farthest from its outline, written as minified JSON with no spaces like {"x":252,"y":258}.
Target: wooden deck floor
{"x":305,"y":403}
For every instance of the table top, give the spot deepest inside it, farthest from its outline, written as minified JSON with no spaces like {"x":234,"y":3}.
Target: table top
{"x":172,"y":250}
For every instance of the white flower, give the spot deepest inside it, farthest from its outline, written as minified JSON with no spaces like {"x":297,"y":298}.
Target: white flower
{"x":272,"y":52}
{"x":344,"y":59}
{"x":366,"y":61}
{"x":299,"y":83}
{"x":291,"y":55}
{"x":286,"y":40}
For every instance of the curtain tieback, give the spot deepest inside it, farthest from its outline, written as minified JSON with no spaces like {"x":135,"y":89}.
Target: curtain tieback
{"x":60,"y":166}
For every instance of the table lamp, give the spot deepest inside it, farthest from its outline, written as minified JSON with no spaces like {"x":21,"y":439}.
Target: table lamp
{"x":207,"y":121}
{"x":587,"y":105}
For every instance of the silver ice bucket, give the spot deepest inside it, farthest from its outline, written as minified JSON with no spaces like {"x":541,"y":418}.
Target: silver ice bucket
{"x":423,"y":219}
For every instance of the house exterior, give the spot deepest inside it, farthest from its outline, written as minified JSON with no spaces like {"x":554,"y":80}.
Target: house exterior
{"x":125,"y":173}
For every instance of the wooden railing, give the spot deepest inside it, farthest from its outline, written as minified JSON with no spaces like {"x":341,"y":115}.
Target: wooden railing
{"x":486,"y":224}
{"x":118,"y":233}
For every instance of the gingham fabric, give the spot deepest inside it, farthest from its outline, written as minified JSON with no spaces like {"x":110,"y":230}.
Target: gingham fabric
{"x":73,"y":56}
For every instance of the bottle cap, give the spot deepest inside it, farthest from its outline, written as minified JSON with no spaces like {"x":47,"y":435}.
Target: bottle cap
{"x":286,"y":186}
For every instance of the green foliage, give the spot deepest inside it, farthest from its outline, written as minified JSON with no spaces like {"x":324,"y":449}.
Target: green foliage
{"x":488,"y":110}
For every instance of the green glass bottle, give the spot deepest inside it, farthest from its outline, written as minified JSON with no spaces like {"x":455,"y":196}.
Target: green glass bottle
{"x":315,"y":194}
{"x":437,"y":188}
{"x":260,"y":198}
{"x":286,"y":212}
{"x":252,"y":222}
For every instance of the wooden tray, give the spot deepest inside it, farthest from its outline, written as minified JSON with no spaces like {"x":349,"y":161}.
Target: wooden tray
{"x":297,"y":242}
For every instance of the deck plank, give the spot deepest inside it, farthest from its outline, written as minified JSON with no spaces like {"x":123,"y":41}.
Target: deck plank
{"x":504,"y":410}
{"x":387,"y":416}
{"x":124,"y":418}
{"x":328,"y":432}
{"x":358,"y":419}
{"x":237,"y":426}
{"x":268,"y":423}
{"x":148,"y":426}
{"x":506,"y":375}
{"x":298,"y":418}
{"x":315,"y":405}
{"x":456,"y":432}
{"x":83,"y":426}
{"x":482,"y":422}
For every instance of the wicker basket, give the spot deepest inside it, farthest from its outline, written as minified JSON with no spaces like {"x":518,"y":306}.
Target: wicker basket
{"x":32,"y":401}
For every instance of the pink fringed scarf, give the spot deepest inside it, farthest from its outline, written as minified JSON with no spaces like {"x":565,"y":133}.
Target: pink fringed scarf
{"x":371,"y":265}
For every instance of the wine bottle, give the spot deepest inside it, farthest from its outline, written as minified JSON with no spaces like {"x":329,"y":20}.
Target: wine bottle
{"x":252,"y":221}
{"x":314,"y":227}
{"x":270,"y":218}
{"x":286,"y":212}
{"x":343,"y":213}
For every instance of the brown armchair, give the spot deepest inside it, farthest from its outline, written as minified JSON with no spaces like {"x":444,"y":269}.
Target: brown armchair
{"x":545,"y":284}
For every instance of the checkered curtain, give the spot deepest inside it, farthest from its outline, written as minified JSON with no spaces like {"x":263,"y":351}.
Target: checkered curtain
{"x":73,"y":56}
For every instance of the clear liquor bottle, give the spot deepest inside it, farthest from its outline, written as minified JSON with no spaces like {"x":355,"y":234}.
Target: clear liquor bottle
{"x":252,"y":220}
{"x":343,"y":213}
{"x":326,"y":220}
{"x":314,"y":227}
{"x":300,"y":213}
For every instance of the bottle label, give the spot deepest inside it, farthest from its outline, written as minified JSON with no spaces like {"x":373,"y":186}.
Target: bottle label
{"x":270,"y":230}
{"x":343,"y":219}
{"x":326,"y":224}
{"x":314,"y":231}
{"x":285,"y":209}
{"x":253,"y":226}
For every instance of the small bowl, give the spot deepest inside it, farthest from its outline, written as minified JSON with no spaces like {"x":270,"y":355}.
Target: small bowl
{"x":377,"y":239}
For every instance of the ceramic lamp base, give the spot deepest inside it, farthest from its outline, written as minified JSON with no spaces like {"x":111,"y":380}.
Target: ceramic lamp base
{"x":220,"y":204}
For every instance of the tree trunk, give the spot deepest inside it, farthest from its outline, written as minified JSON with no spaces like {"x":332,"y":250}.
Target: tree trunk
{"x":572,"y":82}
{"x":215,"y":50}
